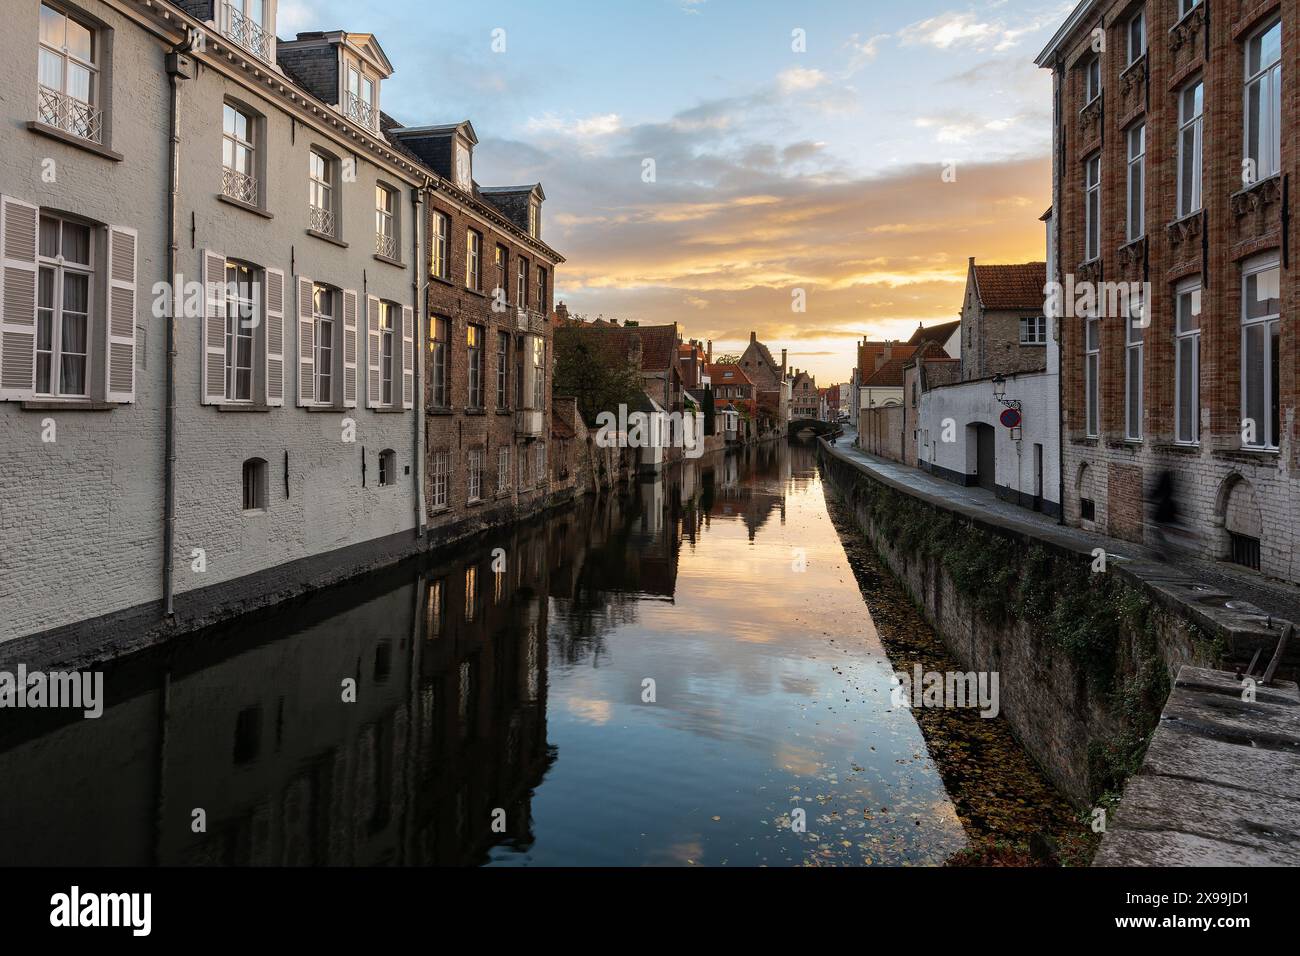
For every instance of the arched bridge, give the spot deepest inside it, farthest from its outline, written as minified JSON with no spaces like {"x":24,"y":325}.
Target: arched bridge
{"x":803,"y":427}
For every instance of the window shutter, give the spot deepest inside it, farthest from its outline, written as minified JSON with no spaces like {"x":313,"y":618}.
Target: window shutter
{"x":408,"y":357}
{"x":214,"y":327}
{"x":350,"y":348}
{"x":274,"y":337}
{"x":119,"y":339}
{"x":306,"y":344}
{"x":19,"y":222}
{"x":373,"y":349}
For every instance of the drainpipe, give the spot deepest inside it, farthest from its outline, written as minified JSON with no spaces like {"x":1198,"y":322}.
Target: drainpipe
{"x":1058,"y":77}
{"x":417,"y":293}
{"x":179,"y":67}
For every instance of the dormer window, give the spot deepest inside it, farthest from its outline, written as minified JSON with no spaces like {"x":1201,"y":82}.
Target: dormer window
{"x":361,"y":96}
{"x":534,"y":219}
{"x":246,"y":22}
{"x":463,"y":169}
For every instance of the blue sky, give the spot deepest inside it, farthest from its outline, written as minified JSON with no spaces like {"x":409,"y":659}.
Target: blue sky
{"x":775,"y":169}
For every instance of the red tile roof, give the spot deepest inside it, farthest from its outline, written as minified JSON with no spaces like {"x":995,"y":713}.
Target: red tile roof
{"x":935,"y":333}
{"x":718,"y":375}
{"x":615,"y":342}
{"x":889,"y":375}
{"x":1011,"y":286}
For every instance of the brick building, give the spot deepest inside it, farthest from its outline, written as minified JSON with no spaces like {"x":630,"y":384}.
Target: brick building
{"x":805,"y":401}
{"x":1172,"y":167}
{"x":487,"y":337}
{"x":1003,"y":329}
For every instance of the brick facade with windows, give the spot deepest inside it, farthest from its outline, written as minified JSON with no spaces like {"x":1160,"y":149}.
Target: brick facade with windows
{"x":1177,"y":394}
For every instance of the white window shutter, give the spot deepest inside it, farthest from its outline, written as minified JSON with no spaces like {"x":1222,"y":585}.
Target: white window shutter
{"x":214,"y":327}
{"x":349,"y":348}
{"x":274,"y":337}
{"x":408,"y":357}
{"x":19,"y":223}
{"x":373,"y":350}
{"x":306,"y":344}
{"x":119,"y":333}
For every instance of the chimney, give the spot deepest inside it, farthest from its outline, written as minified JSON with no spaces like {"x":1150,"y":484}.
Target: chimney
{"x":561,"y":314}
{"x":753,"y":337}
{"x":783,"y":360}
{"x":708,"y":356}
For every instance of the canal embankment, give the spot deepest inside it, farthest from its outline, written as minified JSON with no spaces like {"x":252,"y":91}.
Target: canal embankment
{"x":1088,"y":642}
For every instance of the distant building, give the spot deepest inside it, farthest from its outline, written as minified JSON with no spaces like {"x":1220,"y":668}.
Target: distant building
{"x":805,"y":402}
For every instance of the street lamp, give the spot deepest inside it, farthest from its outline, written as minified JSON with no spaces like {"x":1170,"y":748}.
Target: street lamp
{"x":999,"y":386}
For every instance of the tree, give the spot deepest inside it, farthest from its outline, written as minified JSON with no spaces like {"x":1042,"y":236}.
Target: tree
{"x":727,"y":359}
{"x":709,"y":411}
{"x":581,"y":373}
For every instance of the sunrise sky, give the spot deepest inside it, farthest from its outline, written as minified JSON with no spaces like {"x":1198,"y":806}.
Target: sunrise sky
{"x":775,"y":170}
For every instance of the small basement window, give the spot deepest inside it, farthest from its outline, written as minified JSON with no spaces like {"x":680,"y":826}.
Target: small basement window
{"x":387,"y":467}
{"x":1087,"y":509}
{"x":255,"y":484}
{"x":1245,"y":550}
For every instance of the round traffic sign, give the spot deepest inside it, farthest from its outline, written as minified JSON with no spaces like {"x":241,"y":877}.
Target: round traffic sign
{"x":1011,"y":418}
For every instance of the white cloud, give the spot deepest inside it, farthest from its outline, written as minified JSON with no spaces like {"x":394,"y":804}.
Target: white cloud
{"x":798,"y":79}
{"x":862,"y":52}
{"x":588,"y":127}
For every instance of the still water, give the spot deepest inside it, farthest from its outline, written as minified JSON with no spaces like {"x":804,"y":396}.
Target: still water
{"x":661,"y":676}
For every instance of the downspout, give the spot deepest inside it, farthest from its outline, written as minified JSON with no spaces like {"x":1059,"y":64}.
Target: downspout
{"x":1058,"y":163}
{"x":417,"y":293}
{"x":179,"y":66}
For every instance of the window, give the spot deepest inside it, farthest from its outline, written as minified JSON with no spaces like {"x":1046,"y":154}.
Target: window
{"x":1092,"y":80}
{"x":1264,"y":102}
{"x":1091,"y":369}
{"x":1137,"y":164}
{"x":387,"y":468}
{"x":238,"y":154}
{"x":474,"y":363}
{"x":1187,"y":6}
{"x":1260,"y":353}
{"x":440,"y":252}
{"x":439,"y":333}
{"x":523,"y":468}
{"x":1134,"y":337}
{"x":388,"y":319}
{"x":241,"y":320}
{"x":539,"y":372}
{"x":320,"y":193}
{"x":1187,"y":362}
{"x":521,"y":292}
{"x":539,"y":471}
{"x":1136,"y":35}
{"x":503,"y":273}
{"x":255,"y":484}
{"x":503,"y":470}
{"x":324,"y":306}
{"x":1092,"y":191}
{"x":1191,"y":103}
{"x":386,"y":222}
{"x":503,"y":370}
{"x":359,"y":102}
{"x":473,"y":249}
{"x":245,"y":22}
{"x":1033,"y":330}
{"x":475,"y":474}
{"x":534,"y":220}
{"x":440,"y":474}
{"x":541,"y":289}
{"x":68,"y":76}
{"x":63,"y":308}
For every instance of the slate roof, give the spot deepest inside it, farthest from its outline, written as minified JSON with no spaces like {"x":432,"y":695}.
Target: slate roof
{"x":935,"y":333}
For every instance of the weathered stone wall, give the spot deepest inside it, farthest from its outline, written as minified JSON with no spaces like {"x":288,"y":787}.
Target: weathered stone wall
{"x":1084,"y":660}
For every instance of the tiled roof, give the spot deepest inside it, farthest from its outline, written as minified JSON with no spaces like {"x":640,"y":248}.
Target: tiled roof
{"x":726,"y":375}
{"x":615,"y":342}
{"x":1011,"y":286}
{"x":935,"y":333}
{"x":889,"y":375}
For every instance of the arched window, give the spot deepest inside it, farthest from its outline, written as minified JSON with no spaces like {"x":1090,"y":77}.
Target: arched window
{"x":255,"y":484}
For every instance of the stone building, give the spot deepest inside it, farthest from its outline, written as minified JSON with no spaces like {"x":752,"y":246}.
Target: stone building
{"x":1171,"y":169}
{"x":771,"y":380}
{"x":804,"y":399}
{"x":1003,"y":327}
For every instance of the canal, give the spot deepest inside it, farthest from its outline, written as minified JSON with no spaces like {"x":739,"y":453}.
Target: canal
{"x":682,"y":673}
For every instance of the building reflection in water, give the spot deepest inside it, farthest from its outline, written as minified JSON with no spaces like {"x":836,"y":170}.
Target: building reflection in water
{"x":247,"y":723}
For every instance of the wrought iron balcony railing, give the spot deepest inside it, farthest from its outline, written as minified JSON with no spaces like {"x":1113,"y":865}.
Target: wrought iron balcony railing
{"x":322,"y":220}
{"x":355,"y":108}
{"x":247,"y":32}
{"x":385,"y":246}
{"x":237,"y":185}
{"x":69,"y":114}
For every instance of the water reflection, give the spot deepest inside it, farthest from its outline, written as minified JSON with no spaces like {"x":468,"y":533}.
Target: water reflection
{"x":512,"y":678}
